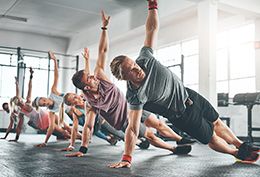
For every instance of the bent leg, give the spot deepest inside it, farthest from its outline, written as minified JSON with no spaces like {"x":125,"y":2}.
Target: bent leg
{"x":220,"y":145}
{"x":223,"y":131}
{"x":162,"y":128}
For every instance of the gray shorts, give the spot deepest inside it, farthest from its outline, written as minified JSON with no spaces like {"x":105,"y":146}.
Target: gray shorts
{"x":142,"y":127}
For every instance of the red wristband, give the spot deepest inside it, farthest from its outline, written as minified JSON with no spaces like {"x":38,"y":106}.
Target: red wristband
{"x":152,"y":4}
{"x":126,"y":158}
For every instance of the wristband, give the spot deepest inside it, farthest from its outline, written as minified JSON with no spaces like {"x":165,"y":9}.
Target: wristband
{"x":31,"y":76}
{"x":104,"y":28}
{"x":126,"y":158}
{"x":152,"y":4}
{"x":83,"y":149}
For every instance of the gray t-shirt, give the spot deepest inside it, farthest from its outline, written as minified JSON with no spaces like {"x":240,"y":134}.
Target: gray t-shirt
{"x":58,"y":99}
{"x":161,"y":86}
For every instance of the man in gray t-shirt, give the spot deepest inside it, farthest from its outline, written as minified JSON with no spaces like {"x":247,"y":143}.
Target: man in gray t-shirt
{"x":171,"y":93}
{"x":153,"y":87}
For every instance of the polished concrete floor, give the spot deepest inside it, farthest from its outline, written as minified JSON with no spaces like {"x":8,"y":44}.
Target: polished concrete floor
{"x":22,"y":159}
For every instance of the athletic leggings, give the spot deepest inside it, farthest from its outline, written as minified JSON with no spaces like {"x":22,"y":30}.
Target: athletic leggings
{"x":106,"y":127}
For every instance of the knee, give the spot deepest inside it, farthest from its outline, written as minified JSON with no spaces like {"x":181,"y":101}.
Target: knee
{"x":150,"y":135}
{"x":213,"y":139}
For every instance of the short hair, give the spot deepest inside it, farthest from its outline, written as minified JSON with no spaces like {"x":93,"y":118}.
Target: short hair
{"x":115,"y":66}
{"x":65,"y":99}
{"x":4,"y":105}
{"x":77,"y":80}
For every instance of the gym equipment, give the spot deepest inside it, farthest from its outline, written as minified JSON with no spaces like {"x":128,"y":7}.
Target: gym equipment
{"x":248,"y":100}
{"x":223,"y":99}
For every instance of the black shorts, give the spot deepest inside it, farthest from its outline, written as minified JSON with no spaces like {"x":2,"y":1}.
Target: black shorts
{"x":198,"y":118}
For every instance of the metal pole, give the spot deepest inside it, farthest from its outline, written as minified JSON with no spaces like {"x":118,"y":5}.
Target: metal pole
{"x":182,"y":68}
{"x":49,"y":67}
{"x":77,"y":69}
{"x":249,"y":122}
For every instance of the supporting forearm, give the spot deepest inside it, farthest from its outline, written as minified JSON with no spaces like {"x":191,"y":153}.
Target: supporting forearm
{"x":49,"y":133}
{"x":130,"y":141}
{"x":9,"y":128}
{"x":19,"y":127}
{"x":86,"y":135}
{"x":74,"y":132}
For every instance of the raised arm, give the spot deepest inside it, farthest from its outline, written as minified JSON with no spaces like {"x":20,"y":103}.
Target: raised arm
{"x":17,"y":92}
{"x":29,"y":94}
{"x":103,"y":43}
{"x":131,"y":134}
{"x":86,"y":57}
{"x":152,"y":24}
{"x":56,"y":74}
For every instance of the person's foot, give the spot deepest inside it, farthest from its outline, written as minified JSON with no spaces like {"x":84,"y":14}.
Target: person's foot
{"x":144,"y":144}
{"x":247,"y":157}
{"x":180,"y":150}
{"x":112,"y":141}
{"x":247,"y":153}
{"x":246,"y":146}
{"x":185,"y":141}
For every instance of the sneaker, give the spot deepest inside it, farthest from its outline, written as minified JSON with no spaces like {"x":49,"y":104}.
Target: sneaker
{"x":112,"y":141}
{"x":144,"y":144}
{"x":185,"y":141}
{"x":246,"y":146}
{"x":247,"y":153}
{"x":249,"y":158}
{"x":180,"y":150}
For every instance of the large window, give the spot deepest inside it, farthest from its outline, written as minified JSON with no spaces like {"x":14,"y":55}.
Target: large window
{"x":7,"y":74}
{"x":236,"y":60}
{"x":171,"y":55}
{"x":40,"y":78}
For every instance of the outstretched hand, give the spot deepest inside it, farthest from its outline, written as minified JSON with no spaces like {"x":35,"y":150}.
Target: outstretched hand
{"x":86,"y":54}
{"x":120,"y":165}
{"x":105,"y":19}
{"x":31,"y":70}
{"x":41,"y":145}
{"x":67,"y":149}
{"x":75,"y":154}
{"x":52,"y":56}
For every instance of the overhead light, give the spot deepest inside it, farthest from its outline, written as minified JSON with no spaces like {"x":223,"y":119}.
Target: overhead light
{"x":14,"y":18}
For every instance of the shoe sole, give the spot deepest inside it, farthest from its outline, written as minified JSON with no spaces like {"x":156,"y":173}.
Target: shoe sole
{"x":248,"y":162}
{"x":182,"y":150}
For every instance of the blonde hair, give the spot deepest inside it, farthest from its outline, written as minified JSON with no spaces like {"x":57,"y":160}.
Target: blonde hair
{"x":115,"y":66}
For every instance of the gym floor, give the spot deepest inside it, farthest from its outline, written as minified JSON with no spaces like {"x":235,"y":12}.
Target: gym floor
{"x":22,"y":159}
